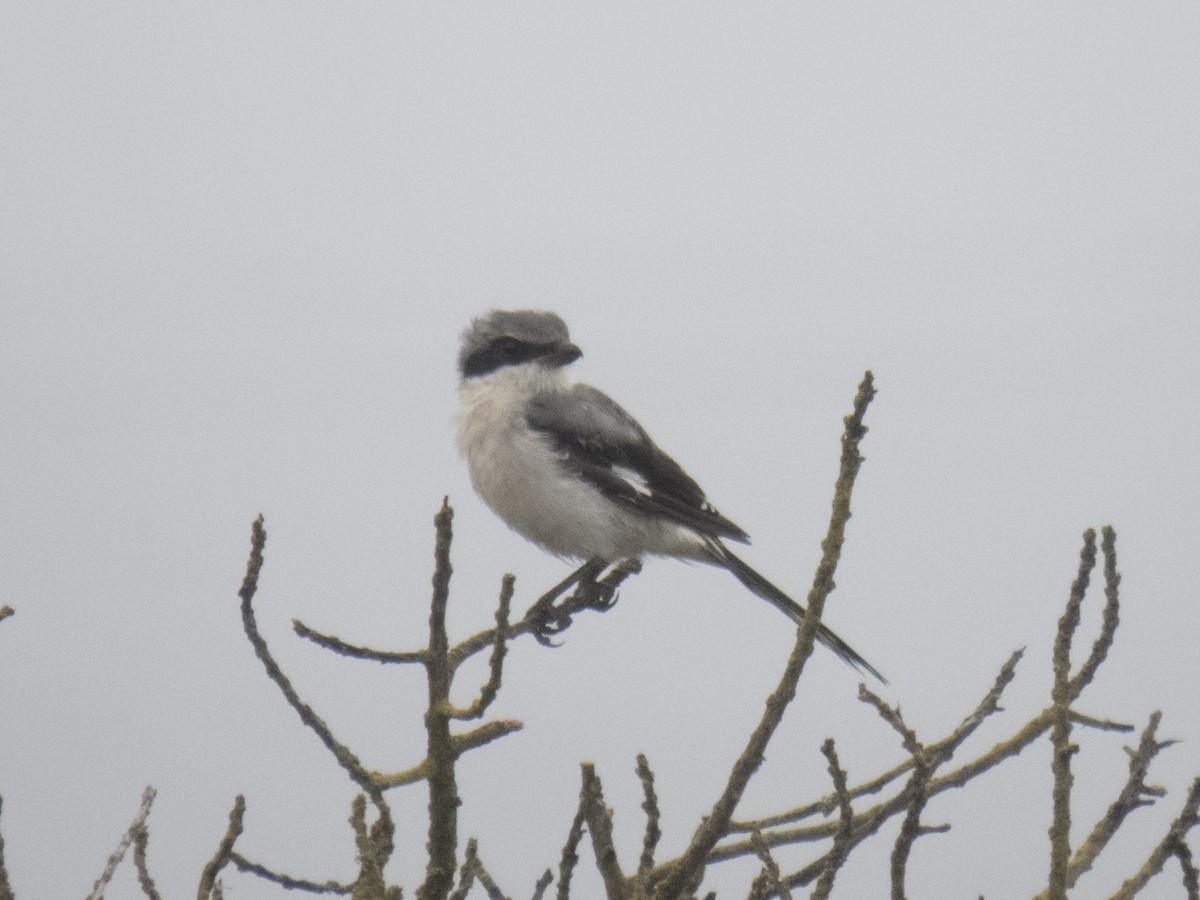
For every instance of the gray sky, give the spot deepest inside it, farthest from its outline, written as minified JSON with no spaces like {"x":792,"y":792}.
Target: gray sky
{"x":237,"y":247}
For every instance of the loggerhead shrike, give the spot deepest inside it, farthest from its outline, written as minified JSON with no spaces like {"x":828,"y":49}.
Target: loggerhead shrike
{"x":566,"y":467}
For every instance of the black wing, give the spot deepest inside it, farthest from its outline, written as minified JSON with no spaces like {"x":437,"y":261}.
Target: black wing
{"x":605,"y":445}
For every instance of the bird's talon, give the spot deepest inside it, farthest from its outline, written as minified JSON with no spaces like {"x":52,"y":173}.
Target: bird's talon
{"x":550,"y":621}
{"x":605,"y":598}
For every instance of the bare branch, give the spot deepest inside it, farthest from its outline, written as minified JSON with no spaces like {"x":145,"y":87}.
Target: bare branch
{"x":989,"y":705}
{"x":373,"y":853}
{"x":650,"y":807}
{"x":484,"y":734}
{"x":911,"y":829}
{"x":916,"y":790}
{"x":341,"y":753}
{"x":1060,"y":732}
{"x":570,"y":851}
{"x":823,"y":806}
{"x":841,"y":839}
{"x":715,"y":825}
{"x":1169,"y":846}
{"x":599,"y":822}
{"x":356,"y":651}
{"x":208,"y":878}
{"x":539,"y":888}
{"x":114,"y":859}
{"x":1133,"y":795}
{"x":1191,"y":877}
{"x":459,"y":744}
{"x":383,"y":828}
{"x":869,"y":821}
{"x":586,"y":596}
{"x":472,"y":869}
{"x":145,"y":880}
{"x":768,"y":880}
{"x":6,"y":892}
{"x":496,"y":666}
{"x":287,"y":881}
{"x":942,"y":749}
{"x":485,"y":877}
{"x":6,"y":611}
{"x":443,"y":788}
{"x":1111,"y":617}
{"x":892,"y":716}
{"x":1079,"y":718}
{"x":466,"y":873}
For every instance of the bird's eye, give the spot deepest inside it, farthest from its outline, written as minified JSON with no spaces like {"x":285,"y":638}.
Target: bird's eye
{"x":507,"y":345}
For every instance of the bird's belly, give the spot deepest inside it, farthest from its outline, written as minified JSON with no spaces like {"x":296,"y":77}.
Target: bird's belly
{"x":525,"y":483}
{"x":521,"y":479}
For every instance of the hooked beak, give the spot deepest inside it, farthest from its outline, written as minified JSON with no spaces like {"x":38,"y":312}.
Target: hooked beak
{"x":562,"y":355}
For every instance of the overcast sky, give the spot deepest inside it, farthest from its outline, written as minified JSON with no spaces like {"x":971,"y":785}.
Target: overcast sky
{"x":238,"y":244}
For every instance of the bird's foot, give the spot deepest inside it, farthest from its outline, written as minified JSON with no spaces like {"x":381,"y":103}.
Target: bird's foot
{"x":598,"y":595}
{"x":549,"y":618}
{"x":547,"y":622}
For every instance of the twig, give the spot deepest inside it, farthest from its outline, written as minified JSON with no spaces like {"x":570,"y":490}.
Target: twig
{"x":869,"y":821}
{"x":892,"y":716}
{"x":1079,"y":718}
{"x":370,"y":881}
{"x":443,"y":788}
{"x":287,"y":881}
{"x":1191,"y":877}
{"x":1169,"y":845}
{"x":841,"y":839}
{"x":539,"y":888}
{"x":459,"y":744}
{"x":145,"y":880}
{"x":485,"y":877}
{"x":768,"y":879}
{"x":208,"y":878}
{"x":1133,"y":795}
{"x":823,"y":806}
{"x":650,"y":807}
{"x":570,"y":851}
{"x":473,"y":868}
{"x":599,"y":822}
{"x":1111,"y":617}
{"x":916,"y":790}
{"x":114,"y":859}
{"x":6,"y":892}
{"x":383,"y":829}
{"x":496,"y":666}
{"x":466,"y":873}
{"x":5,"y":612}
{"x":1060,"y":731}
{"x":356,"y":651}
{"x":689,"y":864}
{"x":341,"y":753}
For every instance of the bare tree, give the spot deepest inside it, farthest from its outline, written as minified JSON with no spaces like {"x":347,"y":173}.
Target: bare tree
{"x":848,"y":815}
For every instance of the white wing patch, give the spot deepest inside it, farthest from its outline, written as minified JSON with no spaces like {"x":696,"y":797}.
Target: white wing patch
{"x":633,"y":479}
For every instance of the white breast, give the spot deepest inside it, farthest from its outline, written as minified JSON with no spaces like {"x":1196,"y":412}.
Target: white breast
{"x":512,"y":468}
{"x":522,"y":478}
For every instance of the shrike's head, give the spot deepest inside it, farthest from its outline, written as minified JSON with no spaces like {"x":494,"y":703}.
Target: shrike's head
{"x":514,"y":337}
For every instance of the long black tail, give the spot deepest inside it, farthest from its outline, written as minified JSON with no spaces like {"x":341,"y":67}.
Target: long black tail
{"x":723,"y":556}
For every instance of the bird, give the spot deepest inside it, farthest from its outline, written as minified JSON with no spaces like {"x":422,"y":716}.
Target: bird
{"x":566,"y":467}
